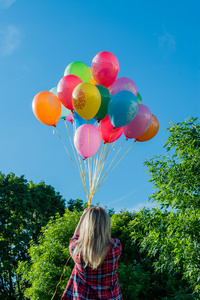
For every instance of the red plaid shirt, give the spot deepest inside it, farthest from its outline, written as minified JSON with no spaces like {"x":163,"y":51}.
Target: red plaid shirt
{"x":101,"y":283}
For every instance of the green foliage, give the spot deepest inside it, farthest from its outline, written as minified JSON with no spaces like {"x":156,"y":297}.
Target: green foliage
{"x":48,"y":258}
{"x":77,"y":205}
{"x":121,"y":230}
{"x":24,"y":209}
{"x":173,"y":236}
{"x":137,"y":276}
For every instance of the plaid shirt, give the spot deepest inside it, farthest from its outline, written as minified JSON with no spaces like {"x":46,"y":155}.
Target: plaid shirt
{"x":101,"y":283}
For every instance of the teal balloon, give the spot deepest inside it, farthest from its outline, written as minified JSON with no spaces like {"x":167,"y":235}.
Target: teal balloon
{"x":54,"y":91}
{"x":122,"y":108}
{"x":105,"y":97}
{"x":65,"y":111}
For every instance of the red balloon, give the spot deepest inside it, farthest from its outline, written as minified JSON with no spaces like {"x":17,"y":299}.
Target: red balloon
{"x":105,"y":68}
{"x":108,"y":132}
{"x":65,"y":88}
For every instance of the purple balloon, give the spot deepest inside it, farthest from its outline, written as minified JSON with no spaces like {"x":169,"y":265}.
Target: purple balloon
{"x":139,"y":124}
{"x":123,"y":83}
{"x":87,"y":140}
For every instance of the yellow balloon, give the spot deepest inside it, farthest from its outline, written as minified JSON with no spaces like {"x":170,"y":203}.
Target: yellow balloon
{"x":86,"y":100}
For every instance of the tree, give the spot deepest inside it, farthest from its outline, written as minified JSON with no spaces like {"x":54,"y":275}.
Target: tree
{"x":172,"y":233}
{"x":77,"y":205}
{"x":49,"y":257}
{"x":50,"y":266}
{"x":25,"y":208}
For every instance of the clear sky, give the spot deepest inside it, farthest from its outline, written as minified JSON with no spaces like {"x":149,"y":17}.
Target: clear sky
{"x":157,"y":45}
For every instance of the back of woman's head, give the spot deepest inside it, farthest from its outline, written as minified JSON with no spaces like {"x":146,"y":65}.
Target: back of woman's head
{"x":95,"y":237}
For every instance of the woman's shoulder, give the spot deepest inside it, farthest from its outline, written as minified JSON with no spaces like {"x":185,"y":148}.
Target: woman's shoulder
{"x":115,"y":249}
{"x":115,"y":243}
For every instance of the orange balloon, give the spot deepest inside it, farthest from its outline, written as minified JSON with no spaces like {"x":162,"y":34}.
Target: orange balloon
{"x":92,"y":78}
{"x":47,"y":108}
{"x":151,"y":131}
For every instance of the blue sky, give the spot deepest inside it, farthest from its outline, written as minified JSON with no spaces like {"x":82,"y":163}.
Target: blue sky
{"x":157,"y":45}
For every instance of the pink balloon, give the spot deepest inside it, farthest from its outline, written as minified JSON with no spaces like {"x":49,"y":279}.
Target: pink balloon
{"x":65,"y":88}
{"x":107,"y":131}
{"x":123,"y":83}
{"x":70,"y":118}
{"x":87,"y":140}
{"x":105,"y":68}
{"x":139,"y":124}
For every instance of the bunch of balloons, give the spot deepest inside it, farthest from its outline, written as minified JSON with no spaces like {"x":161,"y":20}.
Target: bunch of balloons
{"x":102,"y":106}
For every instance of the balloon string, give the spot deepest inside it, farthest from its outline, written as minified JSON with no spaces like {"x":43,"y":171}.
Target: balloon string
{"x":113,"y":158}
{"x":83,"y":178}
{"x":64,"y":145}
{"x":61,"y":277}
{"x":120,"y":160}
{"x":94,"y":166}
{"x":78,"y":162}
{"x":104,"y":159}
{"x":99,"y":168}
{"x":71,"y":143}
{"x":103,"y":177}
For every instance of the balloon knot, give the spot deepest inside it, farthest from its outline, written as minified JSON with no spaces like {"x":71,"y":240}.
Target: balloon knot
{"x":104,"y":142}
{"x":54,"y":125}
{"x":126,"y":139}
{"x":114,"y":128}
{"x":84,"y":158}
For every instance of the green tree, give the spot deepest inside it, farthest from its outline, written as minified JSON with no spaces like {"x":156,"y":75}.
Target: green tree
{"x":172,"y":233}
{"x":77,"y":205}
{"x":50,"y":258}
{"x":25,"y":208}
{"x":137,"y":277}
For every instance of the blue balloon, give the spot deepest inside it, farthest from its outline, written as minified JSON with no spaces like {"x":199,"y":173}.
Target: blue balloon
{"x":78,"y":121}
{"x":122,"y":108}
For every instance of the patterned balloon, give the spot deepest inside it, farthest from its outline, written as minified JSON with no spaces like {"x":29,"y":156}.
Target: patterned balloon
{"x":122,"y":108}
{"x":64,"y":111}
{"x":47,"y":108}
{"x":123,"y":83}
{"x":139,"y":124}
{"x":86,"y":100}
{"x":65,"y":88}
{"x":151,"y":131}
{"x":105,"y":68}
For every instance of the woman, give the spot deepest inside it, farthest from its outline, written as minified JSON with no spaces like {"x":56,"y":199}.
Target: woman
{"x":96,"y":256}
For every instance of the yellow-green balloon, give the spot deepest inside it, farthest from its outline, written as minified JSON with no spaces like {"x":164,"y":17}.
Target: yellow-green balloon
{"x":79,"y":69}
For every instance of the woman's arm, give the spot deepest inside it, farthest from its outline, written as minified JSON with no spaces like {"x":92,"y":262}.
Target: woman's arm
{"x":77,"y":230}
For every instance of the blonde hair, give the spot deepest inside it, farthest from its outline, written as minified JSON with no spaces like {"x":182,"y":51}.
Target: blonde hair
{"x":95,"y":237}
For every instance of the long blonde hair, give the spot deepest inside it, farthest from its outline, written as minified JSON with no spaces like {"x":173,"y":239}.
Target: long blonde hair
{"x":95,"y":237}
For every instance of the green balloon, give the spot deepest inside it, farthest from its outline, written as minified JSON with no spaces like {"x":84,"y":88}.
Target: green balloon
{"x":79,"y":69}
{"x":105,"y":97}
{"x":139,"y":98}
